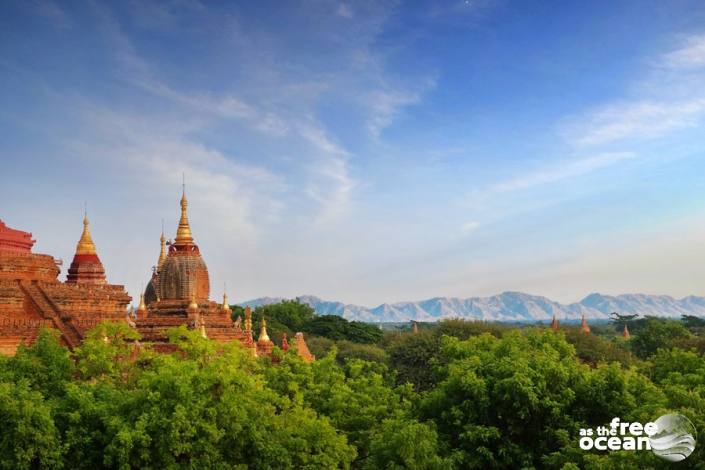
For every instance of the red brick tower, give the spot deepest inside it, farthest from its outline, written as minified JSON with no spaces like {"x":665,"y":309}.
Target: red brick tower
{"x":86,"y":267}
{"x":554,"y":323}
{"x":584,"y":327}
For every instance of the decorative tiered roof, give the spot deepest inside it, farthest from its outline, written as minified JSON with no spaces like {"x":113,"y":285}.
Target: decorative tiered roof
{"x":86,"y":267}
{"x":15,"y":240}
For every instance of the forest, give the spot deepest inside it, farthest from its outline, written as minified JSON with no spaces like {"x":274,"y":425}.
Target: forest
{"x":454,"y":394}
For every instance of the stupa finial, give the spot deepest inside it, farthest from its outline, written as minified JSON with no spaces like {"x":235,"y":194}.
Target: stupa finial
{"x":85,"y":245}
{"x":183,"y":233}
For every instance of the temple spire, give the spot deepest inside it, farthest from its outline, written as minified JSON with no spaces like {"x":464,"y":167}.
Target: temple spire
{"x":183,"y":233}
{"x":226,"y":304}
{"x":86,"y":267}
{"x":162,"y":251}
{"x":584,"y":327}
{"x":554,"y":323}
{"x":625,"y":333}
{"x":85,"y":245}
{"x":248,"y":318}
{"x":263,"y":336}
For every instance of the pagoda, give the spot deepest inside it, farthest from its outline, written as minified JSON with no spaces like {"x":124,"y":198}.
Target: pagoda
{"x":178,"y":294}
{"x":625,"y":333}
{"x":554,"y":323}
{"x":86,"y":267}
{"x":584,"y":327}
{"x":32,"y":297}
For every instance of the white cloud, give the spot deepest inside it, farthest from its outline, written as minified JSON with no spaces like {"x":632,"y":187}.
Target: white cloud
{"x":639,"y":120}
{"x":690,"y":56}
{"x":555,"y":172}
{"x":666,"y":100}
{"x":385,"y":105}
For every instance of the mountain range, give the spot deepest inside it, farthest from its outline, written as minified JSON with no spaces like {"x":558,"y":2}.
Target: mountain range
{"x":505,"y":307}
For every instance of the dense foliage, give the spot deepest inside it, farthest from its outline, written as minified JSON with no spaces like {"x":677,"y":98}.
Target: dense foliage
{"x":454,"y":395}
{"x":291,"y":316}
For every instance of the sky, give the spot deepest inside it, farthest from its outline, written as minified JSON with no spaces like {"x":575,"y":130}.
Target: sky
{"x":364,"y":151}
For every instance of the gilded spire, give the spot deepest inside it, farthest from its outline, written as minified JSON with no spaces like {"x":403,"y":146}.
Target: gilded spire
{"x":226,"y":304}
{"x":142,"y":307}
{"x":183,"y":233}
{"x":162,"y":251}
{"x":85,"y":245}
{"x":263,"y":336}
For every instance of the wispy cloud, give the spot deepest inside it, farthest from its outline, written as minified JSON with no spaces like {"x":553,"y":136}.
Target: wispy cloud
{"x":691,"y":55}
{"x":385,"y":105}
{"x":546,"y":174}
{"x":669,"y":98}
{"x":330,"y":182}
{"x":560,"y":171}
{"x":638,"y":120}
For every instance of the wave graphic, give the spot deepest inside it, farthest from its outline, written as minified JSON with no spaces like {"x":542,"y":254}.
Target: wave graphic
{"x":675,"y":438}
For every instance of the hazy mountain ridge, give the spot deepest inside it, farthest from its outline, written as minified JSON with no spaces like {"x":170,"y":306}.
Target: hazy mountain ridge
{"x":508,"y":306}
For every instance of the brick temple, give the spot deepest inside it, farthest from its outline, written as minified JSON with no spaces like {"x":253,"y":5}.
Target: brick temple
{"x":178,"y":293}
{"x":32,"y":297}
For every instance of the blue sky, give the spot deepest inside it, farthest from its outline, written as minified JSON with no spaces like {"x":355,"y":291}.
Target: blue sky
{"x":365,"y":151}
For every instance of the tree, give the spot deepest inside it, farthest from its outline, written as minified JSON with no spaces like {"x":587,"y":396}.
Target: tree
{"x":338,"y":328}
{"x":356,"y":397}
{"x":46,"y":365}
{"x":406,"y":444}
{"x":28,"y":437}
{"x":411,"y":357}
{"x":694,"y":324}
{"x":620,"y":321}
{"x":204,"y":407}
{"x":292,"y":314}
{"x":594,"y":349}
{"x":519,"y":401}
{"x":657,"y":333}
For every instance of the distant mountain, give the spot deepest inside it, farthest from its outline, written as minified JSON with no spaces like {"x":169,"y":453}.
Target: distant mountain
{"x":506,"y":307}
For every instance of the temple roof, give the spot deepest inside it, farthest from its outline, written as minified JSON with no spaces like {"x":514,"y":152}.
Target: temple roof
{"x":15,"y":240}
